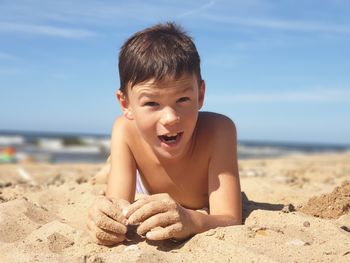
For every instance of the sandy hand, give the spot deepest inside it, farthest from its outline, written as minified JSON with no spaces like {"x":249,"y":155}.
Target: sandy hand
{"x":106,"y":223}
{"x":160,"y":217}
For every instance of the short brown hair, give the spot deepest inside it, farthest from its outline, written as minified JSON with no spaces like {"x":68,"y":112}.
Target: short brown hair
{"x":157,"y":52}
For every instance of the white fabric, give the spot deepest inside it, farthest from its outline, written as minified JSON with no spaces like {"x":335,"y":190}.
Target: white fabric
{"x":140,"y":188}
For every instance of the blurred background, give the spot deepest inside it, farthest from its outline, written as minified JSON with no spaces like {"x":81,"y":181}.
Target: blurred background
{"x":279,"y":69}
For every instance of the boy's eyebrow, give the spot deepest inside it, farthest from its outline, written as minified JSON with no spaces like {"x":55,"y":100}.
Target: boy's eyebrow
{"x":185,"y":89}
{"x":146,"y":94}
{"x":155,"y":94}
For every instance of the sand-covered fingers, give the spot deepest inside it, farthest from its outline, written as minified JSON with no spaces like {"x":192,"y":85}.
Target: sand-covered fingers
{"x":106,"y":222}
{"x":149,"y":206}
{"x":103,"y":221}
{"x":158,"y":220}
{"x":121,"y":205}
{"x":102,"y":236}
{"x":110,"y":207}
{"x":148,"y":210}
{"x":160,"y":211}
{"x":172,"y":231}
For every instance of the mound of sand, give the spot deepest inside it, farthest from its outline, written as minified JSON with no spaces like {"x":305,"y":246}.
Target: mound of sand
{"x":332,"y":205}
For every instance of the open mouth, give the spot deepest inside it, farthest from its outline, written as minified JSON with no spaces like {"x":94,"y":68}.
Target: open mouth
{"x":170,"y":138}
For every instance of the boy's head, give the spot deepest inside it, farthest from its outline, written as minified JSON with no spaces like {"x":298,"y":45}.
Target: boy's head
{"x":157,"y":52}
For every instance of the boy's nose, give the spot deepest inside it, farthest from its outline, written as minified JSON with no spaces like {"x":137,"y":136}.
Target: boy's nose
{"x":169,"y":117}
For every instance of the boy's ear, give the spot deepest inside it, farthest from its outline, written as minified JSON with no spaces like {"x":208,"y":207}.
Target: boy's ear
{"x":124,"y":105}
{"x":201,"y":93}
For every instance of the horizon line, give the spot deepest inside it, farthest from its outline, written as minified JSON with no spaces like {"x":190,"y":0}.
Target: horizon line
{"x":243,"y":140}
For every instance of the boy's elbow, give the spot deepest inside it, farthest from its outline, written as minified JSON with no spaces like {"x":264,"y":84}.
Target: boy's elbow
{"x":229,"y":220}
{"x":233,"y":221}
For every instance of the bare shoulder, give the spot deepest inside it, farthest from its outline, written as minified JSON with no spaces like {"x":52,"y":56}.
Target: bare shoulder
{"x":120,"y":123}
{"x":216,"y":123}
{"x":122,"y":129}
{"x":216,"y":132}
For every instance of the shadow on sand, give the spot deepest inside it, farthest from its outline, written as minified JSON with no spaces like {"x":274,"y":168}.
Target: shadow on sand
{"x":249,"y":206}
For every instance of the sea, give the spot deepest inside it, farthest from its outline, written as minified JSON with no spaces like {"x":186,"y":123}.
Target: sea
{"x":54,"y":147}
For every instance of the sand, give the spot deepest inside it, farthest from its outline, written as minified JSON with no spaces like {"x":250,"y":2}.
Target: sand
{"x":296,"y":209}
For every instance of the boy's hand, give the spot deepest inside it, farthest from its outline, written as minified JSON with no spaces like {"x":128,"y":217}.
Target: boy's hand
{"x":160,"y":217}
{"x":106,"y":223}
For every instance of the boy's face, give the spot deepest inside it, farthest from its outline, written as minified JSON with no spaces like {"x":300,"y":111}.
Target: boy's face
{"x":166,"y":112}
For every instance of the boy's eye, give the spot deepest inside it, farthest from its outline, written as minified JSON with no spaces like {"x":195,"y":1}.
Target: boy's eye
{"x":183,"y":99}
{"x":151,"y":104}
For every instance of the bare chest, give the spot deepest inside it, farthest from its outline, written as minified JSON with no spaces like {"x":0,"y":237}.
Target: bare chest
{"x":187,"y":182}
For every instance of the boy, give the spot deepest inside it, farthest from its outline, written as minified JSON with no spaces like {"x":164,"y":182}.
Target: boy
{"x":185,"y":159}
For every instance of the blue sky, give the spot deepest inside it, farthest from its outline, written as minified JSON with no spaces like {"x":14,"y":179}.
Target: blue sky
{"x":279,"y":69}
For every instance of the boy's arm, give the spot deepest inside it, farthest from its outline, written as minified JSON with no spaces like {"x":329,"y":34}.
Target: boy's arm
{"x":106,"y":223}
{"x":224,"y":186}
{"x":121,"y":179}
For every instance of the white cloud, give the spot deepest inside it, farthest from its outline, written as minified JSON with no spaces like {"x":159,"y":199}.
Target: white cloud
{"x":46,"y":30}
{"x":198,"y":9}
{"x":89,"y":12}
{"x":311,"y":95}
{"x":275,"y":24}
{"x":118,"y":12}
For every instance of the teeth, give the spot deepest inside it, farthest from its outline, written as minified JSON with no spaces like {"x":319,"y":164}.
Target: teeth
{"x":170,"y":138}
{"x":171,"y":135}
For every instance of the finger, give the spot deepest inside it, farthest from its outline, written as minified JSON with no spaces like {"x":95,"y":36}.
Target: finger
{"x":104,"y":222}
{"x":121,"y":204}
{"x":128,"y":211}
{"x":158,"y":220}
{"x":107,"y":207}
{"x":164,"y":233}
{"x":106,"y":243}
{"x":101,"y":236}
{"x":148,"y":210}
{"x":148,"y":198}
{"x":100,"y":242}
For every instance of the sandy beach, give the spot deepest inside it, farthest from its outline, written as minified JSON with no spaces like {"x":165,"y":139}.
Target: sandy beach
{"x":296,"y":209}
